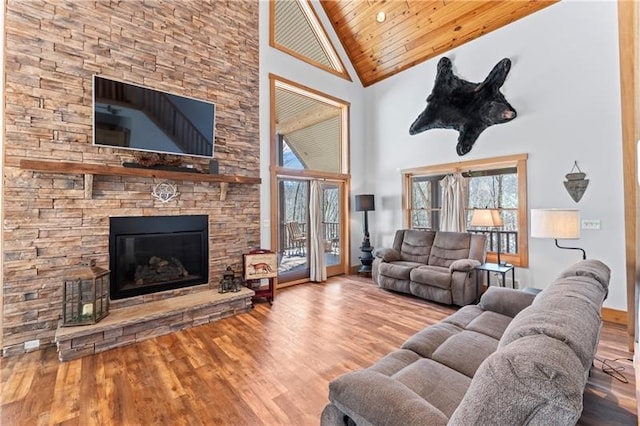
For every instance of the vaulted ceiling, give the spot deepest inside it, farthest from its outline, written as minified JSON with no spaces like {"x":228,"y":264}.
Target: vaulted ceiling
{"x":415,"y":30}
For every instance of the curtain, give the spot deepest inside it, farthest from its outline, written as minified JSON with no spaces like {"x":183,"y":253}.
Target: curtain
{"x":317,"y":264}
{"x":452,"y":217}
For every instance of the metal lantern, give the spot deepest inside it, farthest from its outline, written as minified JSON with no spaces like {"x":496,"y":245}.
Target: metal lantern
{"x":85,"y":295}
{"x":229,"y":281}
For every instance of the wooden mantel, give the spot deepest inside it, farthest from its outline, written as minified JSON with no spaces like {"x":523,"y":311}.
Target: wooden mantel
{"x":90,"y":169}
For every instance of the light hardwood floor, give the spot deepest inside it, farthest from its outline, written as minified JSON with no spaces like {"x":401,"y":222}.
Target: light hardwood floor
{"x":270,"y":366}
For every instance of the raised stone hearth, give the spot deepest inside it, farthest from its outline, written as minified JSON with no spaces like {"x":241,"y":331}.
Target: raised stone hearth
{"x":131,"y":324}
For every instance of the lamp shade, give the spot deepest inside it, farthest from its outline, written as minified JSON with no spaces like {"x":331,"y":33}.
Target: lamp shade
{"x":365,"y":203}
{"x":555,"y":223}
{"x":486,"y":217}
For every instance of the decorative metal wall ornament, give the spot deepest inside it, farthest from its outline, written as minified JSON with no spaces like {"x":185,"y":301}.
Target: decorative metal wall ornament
{"x":165,"y":192}
{"x":576,"y":183}
{"x":466,"y":107}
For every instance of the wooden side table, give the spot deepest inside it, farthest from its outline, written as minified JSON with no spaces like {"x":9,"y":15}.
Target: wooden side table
{"x":258,"y":265}
{"x":494,"y":267}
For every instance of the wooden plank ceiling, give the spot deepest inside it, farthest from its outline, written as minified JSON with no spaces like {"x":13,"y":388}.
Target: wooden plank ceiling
{"x":415,"y":30}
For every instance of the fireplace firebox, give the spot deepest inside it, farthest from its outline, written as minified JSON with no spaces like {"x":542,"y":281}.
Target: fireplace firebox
{"x":157,"y":253}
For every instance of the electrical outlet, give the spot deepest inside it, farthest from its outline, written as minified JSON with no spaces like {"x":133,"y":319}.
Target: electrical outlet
{"x":31,"y":345}
{"x":593,"y":224}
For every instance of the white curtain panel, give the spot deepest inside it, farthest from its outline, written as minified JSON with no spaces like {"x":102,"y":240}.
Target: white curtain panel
{"x":317,"y":263}
{"x":452,"y":217}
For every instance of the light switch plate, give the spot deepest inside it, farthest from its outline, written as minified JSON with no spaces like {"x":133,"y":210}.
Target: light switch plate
{"x":592,"y":224}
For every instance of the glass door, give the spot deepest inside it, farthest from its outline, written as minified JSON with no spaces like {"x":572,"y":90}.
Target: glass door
{"x":332,"y":195}
{"x":293,"y":240}
{"x":293,"y":228}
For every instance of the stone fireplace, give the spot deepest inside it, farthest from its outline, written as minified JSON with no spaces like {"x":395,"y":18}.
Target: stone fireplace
{"x":157,"y":253}
{"x":160,"y":283}
{"x":57,"y":219}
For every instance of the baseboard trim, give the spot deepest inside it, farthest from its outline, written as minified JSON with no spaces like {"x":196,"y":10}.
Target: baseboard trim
{"x":615,"y":316}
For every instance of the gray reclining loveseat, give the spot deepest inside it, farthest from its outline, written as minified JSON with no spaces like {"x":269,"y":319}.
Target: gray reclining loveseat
{"x":433,"y":265}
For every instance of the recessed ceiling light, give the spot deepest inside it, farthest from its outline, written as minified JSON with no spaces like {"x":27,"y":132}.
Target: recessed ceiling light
{"x":381,"y":16}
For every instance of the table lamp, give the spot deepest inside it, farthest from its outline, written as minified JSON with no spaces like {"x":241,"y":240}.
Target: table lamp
{"x":489,"y":218}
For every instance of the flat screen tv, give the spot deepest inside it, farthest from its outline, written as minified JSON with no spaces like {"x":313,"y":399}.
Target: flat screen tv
{"x":140,"y":118}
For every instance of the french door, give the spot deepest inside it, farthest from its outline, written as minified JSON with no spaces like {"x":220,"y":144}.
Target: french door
{"x":294,"y":233}
{"x":293,"y":238}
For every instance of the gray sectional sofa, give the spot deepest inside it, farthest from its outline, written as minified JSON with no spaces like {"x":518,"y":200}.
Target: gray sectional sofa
{"x":433,"y":265}
{"x":513,"y":359}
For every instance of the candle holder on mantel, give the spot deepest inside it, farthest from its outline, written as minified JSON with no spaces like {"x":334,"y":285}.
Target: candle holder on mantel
{"x":85,"y":295}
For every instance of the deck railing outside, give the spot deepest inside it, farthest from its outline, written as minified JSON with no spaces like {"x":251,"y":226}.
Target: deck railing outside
{"x":508,"y":240}
{"x":290,"y":245}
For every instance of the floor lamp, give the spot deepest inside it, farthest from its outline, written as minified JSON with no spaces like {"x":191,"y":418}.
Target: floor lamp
{"x":557,"y":224}
{"x":489,"y":218}
{"x":365,"y":203}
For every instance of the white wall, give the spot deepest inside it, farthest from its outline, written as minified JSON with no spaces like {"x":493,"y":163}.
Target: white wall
{"x":564,"y":84}
{"x":283,"y":65}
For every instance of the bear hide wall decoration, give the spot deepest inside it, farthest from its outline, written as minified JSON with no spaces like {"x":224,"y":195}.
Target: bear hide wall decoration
{"x":466,"y":107}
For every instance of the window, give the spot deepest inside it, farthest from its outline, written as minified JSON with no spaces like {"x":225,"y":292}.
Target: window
{"x":425,"y":202}
{"x":296,"y":30}
{"x":310,"y":129}
{"x":497,"y":183}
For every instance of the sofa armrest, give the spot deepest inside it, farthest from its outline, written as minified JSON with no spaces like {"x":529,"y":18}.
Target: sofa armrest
{"x":388,"y":254}
{"x":464,"y":265}
{"x":506,"y":301}
{"x":369,"y":397}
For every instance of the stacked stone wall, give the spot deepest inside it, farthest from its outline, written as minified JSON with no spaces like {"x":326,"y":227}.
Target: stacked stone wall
{"x":202,"y":49}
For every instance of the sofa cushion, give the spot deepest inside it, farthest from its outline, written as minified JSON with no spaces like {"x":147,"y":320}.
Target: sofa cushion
{"x":395,"y":361}
{"x":491,"y":324}
{"x":568,"y":311}
{"x":388,"y":254}
{"x":463,"y":316}
{"x":464,"y":265}
{"x":427,"y":340}
{"x":575,"y":288}
{"x":400,"y":270}
{"x":506,"y":301}
{"x":435,"y":276}
{"x":427,"y":292}
{"x":559,"y":320}
{"x":534,"y":381}
{"x":394,"y":284}
{"x":416,"y":245}
{"x":443,"y":387}
{"x":589,"y":268}
{"x":465,"y":351}
{"x":367,"y":396}
{"x":448,"y":247}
